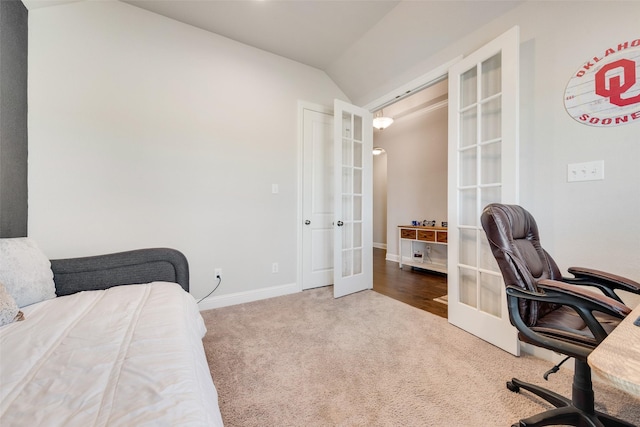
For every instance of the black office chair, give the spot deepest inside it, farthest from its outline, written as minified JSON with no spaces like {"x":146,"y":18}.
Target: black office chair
{"x":550,"y":311}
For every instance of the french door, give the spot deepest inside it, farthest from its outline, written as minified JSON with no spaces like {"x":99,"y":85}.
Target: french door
{"x":483,"y":168}
{"x":353,"y":199}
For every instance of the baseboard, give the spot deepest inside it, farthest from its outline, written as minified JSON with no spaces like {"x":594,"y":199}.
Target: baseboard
{"x":248,"y":296}
{"x":392,"y":257}
{"x":380,"y":245}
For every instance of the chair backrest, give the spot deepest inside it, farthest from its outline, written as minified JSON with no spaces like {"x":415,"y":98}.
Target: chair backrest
{"x":513,"y":236}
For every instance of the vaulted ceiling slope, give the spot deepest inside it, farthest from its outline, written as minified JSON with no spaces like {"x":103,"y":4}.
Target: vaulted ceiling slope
{"x":360,"y":44}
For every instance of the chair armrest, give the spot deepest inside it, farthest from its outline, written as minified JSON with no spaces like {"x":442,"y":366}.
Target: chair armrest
{"x":583,"y":302}
{"x":602,"y":280}
{"x":124,"y":268}
{"x":607,"y":305}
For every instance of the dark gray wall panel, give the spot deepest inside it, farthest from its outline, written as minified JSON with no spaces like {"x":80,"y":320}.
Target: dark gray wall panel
{"x":13,"y":118}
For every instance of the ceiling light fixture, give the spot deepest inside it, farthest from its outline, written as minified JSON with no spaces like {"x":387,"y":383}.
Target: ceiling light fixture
{"x":380,"y":122}
{"x":378,"y":150}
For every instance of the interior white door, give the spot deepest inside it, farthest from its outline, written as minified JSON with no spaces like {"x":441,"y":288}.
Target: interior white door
{"x":318,"y":206}
{"x":483,"y":168}
{"x":353,"y":190}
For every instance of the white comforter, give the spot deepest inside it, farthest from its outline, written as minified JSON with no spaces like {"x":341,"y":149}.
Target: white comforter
{"x":120,"y":357}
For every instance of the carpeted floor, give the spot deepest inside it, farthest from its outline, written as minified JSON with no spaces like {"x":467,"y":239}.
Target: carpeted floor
{"x":367,"y":360}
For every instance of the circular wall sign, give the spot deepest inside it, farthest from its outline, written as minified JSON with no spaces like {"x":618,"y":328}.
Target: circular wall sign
{"x":605,"y":91}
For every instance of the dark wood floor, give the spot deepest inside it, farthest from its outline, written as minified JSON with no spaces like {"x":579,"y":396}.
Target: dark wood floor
{"x":412,"y":286}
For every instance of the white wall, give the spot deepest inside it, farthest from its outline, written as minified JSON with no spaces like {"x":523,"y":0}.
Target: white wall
{"x":380,"y":200}
{"x":144,"y":131}
{"x":590,"y":223}
{"x":147,"y":132}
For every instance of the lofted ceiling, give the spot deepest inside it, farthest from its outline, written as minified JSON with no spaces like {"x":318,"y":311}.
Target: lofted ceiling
{"x":360,"y":44}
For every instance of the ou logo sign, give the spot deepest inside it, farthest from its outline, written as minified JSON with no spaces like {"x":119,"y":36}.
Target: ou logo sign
{"x":611,"y":86}
{"x":605,"y":91}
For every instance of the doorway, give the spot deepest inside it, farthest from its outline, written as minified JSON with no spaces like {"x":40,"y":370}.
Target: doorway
{"x":410,"y":184}
{"x":418,"y":288}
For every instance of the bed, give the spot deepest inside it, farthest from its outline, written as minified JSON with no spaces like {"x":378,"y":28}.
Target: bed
{"x":120,"y":345}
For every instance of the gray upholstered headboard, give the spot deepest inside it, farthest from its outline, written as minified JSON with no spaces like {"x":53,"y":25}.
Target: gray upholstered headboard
{"x":104,"y":271}
{"x":14,"y":20}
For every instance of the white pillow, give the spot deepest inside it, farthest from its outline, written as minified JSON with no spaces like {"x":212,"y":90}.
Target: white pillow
{"x":9,"y":311}
{"x":25,"y":271}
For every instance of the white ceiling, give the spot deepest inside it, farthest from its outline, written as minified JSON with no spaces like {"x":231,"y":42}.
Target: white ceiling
{"x":359,"y":43}
{"x":315,"y":33}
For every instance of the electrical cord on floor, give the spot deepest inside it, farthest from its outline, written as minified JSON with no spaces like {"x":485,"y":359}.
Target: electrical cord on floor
{"x":554,"y":369}
{"x":214,"y":289}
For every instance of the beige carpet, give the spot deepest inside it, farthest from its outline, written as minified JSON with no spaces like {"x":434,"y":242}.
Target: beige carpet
{"x":367,"y":360}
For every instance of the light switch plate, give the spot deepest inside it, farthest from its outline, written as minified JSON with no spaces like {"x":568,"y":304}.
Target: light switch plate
{"x":587,"y":171}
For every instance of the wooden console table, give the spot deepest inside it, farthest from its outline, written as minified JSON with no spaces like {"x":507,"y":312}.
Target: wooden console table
{"x":422,"y":237}
{"x":617,"y":358}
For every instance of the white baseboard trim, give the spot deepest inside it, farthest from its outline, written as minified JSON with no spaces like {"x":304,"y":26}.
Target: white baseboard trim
{"x":392,"y":257}
{"x":380,"y":245}
{"x":248,"y":296}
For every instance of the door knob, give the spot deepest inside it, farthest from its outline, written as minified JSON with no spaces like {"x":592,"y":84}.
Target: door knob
{"x":307,"y":222}
{"x":340,"y":223}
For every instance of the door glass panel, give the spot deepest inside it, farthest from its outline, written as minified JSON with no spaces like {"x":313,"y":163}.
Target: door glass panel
{"x":357,"y":128}
{"x":467,"y":246}
{"x":491,"y":126}
{"x":347,"y":180}
{"x":347,"y":152}
{"x":347,"y":208}
{"x":357,"y":261}
{"x":468,"y":167}
{"x":468,"y":127}
{"x":357,"y":208}
{"x":490,"y":195}
{"x":491,"y":294}
{"x":469,"y":87}
{"x":347,"y":263}
{"x":487,"y":260}
{"x":357,"y":234}
{"x":347,"y":236}
{"x":357,"y":181}
{"x":491,"y":155}
{"x":346,"y":125}
{"x":492,"y":76}
{"x":467,"y":287}
{"x":357,"y":154}
{"x":467,"y":203}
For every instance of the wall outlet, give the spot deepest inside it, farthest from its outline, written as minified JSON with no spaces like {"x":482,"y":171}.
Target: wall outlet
{"x":274,"y":267}
{"x":218,"y":273}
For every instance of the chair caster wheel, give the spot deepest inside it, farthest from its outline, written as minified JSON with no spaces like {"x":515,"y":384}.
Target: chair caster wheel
{"x":514,"y":388}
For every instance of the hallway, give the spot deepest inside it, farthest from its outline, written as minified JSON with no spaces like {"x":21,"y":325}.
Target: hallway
{"x":414,"y":287}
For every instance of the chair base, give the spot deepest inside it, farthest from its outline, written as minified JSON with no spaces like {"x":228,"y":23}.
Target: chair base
{"x":565,"y":412}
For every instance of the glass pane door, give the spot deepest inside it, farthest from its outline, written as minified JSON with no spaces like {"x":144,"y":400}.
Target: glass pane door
{"x":479,"y":178}
{"x":353,"y":255}
{"x":483,"y":164}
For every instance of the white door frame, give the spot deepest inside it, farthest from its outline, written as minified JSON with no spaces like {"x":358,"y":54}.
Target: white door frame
{"x":430,"y":78}
{"x":415,"y":85}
